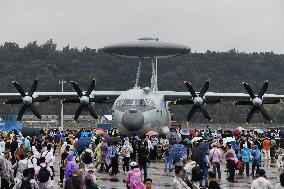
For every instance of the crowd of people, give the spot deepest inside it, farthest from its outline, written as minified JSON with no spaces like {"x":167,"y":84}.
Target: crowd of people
{"x":193,"y":156}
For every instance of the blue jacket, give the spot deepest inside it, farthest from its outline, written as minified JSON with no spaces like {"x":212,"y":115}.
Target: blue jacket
{"x":256,"y":154}
{"x":246,"y":155}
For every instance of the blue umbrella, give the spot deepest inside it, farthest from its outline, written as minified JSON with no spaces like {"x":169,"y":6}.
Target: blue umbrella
{"x":83,"y":142}
{"x":199,"y":153}
{"x":178,"y":151}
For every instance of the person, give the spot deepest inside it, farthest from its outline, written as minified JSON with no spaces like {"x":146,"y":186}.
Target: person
{"x":246,"y":157}
{"x":231,"y":160}
{"x":167,"y":157}
{"x":20,"y":166}
{"x":98,"y":153}
{"x":43,"y":174}
{"x":266,"y":149}
{"x":32,"y":161}
{"x":90,"y":184}
{"x":125,"y":152}
{"x":212,"y":182}
{"x":49,"y":157}
{"x":63,"y":164}
{"x":143,"y":157}
{"x":6,"y":174}
{"x":133,"y":178}
{"x":87,"y":156}
{"x":113,"y":153}
{"x":215,"y":159}
{"x":178,"y":183}
{"x":70,"y":166}
{"x":27,"y":181}
{"x":261,"y":182}
{"x":104,"y":157}
{"x":281,"y":184}
{"x":256,"y":154}
{"x":148,"y":183}
{"x":73,"y":181}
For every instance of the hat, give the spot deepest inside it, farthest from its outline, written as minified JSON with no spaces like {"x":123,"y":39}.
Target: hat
{"x":133,"y":164}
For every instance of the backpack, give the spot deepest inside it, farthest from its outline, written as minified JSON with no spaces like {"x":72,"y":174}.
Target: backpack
{"x":43,"y":175}
{"x":197,"y":173}
{"x":135,"y":178}
{"x":26,"y":184}
{"x":87,"y":158}
{"x":123,"y":151}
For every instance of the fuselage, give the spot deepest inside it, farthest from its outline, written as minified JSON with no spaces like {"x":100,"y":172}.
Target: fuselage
{"x":138,"y":111}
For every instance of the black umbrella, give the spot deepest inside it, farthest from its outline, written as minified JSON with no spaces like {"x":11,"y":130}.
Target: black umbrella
{"x":199,"y":153}
{"x":113,"y":139}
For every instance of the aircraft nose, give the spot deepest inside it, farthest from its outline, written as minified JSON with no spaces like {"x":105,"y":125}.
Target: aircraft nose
{"x":133,"y":120}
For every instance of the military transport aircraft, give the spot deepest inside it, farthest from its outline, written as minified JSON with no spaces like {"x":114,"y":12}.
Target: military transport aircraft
{"x":139,"y":110}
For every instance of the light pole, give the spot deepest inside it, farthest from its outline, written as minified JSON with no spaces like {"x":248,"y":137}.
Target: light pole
{"x":61,"y":82}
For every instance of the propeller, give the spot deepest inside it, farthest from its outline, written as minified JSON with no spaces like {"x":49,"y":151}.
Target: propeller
{"x":27,"y":100}
{"x":256,"y":102}
{"x":198,"y":101}
{"x":84,"y":99}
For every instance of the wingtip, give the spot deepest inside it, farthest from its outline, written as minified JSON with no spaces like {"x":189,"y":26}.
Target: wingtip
{"x":243,"y":82}
{"x":184,"y":82}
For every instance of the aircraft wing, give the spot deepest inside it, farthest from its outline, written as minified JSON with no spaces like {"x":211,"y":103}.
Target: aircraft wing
{"x":64,"y":95}
{"x":172,"y":95}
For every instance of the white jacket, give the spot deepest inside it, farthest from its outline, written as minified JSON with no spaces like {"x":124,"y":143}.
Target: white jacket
{"x":261,"y":183}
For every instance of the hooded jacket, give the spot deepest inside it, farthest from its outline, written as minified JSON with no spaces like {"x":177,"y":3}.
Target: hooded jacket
{"x":256,"y":154}
{"x":70,"y":166}
{"x":246,"y":155}
{"x":139,"y":184}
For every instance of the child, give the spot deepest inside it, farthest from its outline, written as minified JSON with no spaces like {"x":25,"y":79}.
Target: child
{"x":212,"y":182}
{"x":134,"y":177}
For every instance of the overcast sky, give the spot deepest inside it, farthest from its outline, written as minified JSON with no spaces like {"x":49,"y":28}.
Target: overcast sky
{"x":220,"y":25}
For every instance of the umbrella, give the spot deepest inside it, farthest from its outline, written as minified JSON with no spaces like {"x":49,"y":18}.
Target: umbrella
{"x":199,"y":153}
{"x":173,"y":137}
{"x":178,"y":151}
{"x":259,"y":131}
{"x":184,"y":132}
{"x":241,"y":128}
{"x":281,"y":134}
{"x":236,"y":132}
{"x":228,"y":140}
{"x":113,"y":139}
{"x":196,"y":139}
{"x":105,"y":136}
{"x":99,"y":132}
{"x":83,"y":142}
{"x":152,"y":133}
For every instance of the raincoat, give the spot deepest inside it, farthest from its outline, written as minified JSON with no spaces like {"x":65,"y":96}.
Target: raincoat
{"x":246,"y":155}
{"x":256,"y":155}
{"x":134,"y":182}
{"x":104,"y":151}
{"x":70,"y":166}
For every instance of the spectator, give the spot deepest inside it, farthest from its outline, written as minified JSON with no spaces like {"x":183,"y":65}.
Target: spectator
{"x":70,"y":166}
{"x":6,"y":175}
{"x":256,"y":154}
{"x":178,"y":183}
{"x":215,"y":159}
{"x":212,"y":182}
{"x":43,"y":174}
{"x":148,"y":183}
{"x":281,"y":184}
{"x":261,"y":182}
{"x":134,"y":177}
{"x":266,"y":149}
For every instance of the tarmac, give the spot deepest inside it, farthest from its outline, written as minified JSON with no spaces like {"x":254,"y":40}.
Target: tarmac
{"x":163,"y":180}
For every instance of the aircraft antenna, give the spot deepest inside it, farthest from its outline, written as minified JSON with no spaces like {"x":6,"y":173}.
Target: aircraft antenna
{"x":138,"y":74}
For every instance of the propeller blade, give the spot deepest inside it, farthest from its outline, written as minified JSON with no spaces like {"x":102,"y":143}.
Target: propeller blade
{"x":263,"y":89}
{"x":249,"y":90}
{"x":91,"y":87}
{"x":191,"y":113}
{"x":271,"y":101}
{"x":14,"y":101}
{"x":21,"y":112}
{"x":35,"y":111}
{"x":212,"y":101}
{"x":19,"y":88}
{"x":33,"y":88}
{"x":77,"y":88}
{"x":250,"y":114}
{"x":78,"y":112}
{"x":92,"y":112}
{"x":41,"y":99}
{"x":183,"y":101}
{"x":243,"y":103}
{"x":205,"y":113}
{"x":103,"y":100}
{"x":265,"y":114}
{"x":190,"y":89}
{"x":204,"y":88}
{"x":70,"y":101}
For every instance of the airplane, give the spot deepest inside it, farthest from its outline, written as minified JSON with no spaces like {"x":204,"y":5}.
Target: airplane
{"x":139,"y":110}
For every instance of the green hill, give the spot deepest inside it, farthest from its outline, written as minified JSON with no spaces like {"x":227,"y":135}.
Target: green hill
{"x":225,"y":70}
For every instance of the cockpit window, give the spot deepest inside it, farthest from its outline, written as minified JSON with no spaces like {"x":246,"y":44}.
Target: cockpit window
{"x":134,"y":102}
